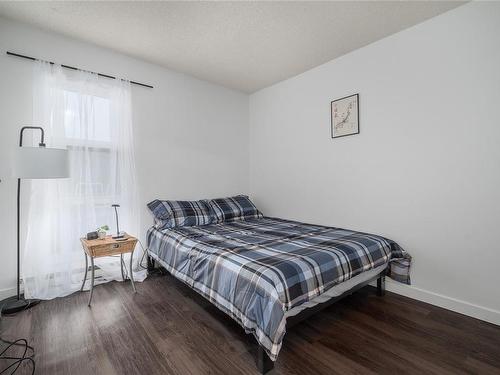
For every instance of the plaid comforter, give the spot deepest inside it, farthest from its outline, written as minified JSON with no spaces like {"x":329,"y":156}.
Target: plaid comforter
{"x":255,"y":270}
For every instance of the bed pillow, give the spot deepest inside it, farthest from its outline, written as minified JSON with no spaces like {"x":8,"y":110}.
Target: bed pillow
{"x":170,"y":214}
{"x":239,"y":207}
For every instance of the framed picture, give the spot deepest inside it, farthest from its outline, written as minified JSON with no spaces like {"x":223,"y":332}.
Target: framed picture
{"x":345,"y":116}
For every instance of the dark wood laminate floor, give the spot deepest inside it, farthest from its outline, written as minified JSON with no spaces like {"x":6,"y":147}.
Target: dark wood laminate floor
{"x":168,"y":329}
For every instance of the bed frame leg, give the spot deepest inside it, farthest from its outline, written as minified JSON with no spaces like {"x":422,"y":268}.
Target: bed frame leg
{"x":381,"y":286}
{"x":264,"y":363}
{"x":151,"y":264}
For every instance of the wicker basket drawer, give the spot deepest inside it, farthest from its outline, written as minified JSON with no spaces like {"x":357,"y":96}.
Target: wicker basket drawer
{"x":108,"y":246}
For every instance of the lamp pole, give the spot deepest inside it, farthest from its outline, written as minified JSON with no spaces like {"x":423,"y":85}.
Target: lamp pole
{"x":12,"y":305}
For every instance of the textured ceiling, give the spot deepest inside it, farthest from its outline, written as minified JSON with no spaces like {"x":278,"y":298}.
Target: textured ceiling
{"x":243,"y":45}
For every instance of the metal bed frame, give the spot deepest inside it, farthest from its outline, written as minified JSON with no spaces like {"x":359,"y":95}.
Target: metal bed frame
{"x":264,"y":363}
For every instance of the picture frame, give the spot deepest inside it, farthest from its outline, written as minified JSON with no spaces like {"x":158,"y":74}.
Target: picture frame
{"x":344,"y":116}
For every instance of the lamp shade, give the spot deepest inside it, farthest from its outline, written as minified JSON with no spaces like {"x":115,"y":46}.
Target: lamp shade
{"x":41,"y":162}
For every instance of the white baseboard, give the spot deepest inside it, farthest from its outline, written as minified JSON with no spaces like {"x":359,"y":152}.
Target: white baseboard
{"x":453,"y":304}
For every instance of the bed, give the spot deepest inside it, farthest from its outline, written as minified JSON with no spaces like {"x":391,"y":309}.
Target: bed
{"x":269,"y":273}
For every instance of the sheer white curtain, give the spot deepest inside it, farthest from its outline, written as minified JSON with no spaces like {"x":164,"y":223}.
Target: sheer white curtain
{"x":91,"y":117}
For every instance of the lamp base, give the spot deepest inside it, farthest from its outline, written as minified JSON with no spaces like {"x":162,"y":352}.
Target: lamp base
{"x":118,"y":236}
{"x":13,"y":305}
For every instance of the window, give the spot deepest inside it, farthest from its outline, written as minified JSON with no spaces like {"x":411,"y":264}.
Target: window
{"x":88,"y":139}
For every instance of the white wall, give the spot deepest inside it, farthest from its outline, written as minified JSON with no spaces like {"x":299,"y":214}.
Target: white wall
{"x":425,"y":169}
{"x":191,"y":137}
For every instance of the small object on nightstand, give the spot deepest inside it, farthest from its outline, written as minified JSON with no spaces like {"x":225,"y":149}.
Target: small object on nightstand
{"x":101,"y":231}
{"x":108,"y":247}
{"x":118,"y":233}
{"x":92,"y":236}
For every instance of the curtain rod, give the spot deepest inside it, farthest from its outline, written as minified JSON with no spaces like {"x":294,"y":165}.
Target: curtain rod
{"x":73,"y":68}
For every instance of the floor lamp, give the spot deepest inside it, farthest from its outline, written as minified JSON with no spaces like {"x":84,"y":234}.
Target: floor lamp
{"x":33,"y":163}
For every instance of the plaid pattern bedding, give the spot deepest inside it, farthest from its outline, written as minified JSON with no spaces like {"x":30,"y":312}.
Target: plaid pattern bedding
{"x":255,"y":270}
{"x":169,"y":214}
{"x":233,"y":208}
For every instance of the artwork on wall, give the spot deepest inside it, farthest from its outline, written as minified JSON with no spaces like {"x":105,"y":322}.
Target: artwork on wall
{"x":345,"y":116}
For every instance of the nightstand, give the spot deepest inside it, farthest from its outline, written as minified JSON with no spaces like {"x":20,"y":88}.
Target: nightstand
{"x":107,"y":247}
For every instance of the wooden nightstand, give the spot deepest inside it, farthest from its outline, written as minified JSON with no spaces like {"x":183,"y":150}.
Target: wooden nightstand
{"x":107,"y":247}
